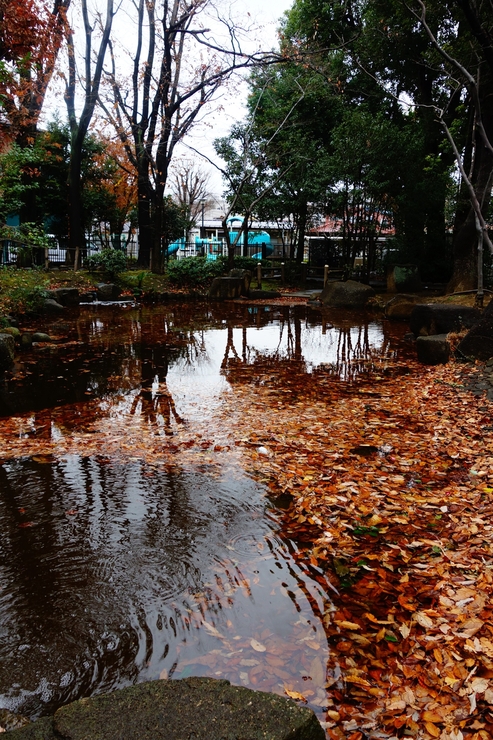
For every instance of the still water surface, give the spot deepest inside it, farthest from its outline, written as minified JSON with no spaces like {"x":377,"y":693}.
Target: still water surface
{"x":117,"y":566}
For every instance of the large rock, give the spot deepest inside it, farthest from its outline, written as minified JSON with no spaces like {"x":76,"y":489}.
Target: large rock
{"x":224,"y":288}
{"x":403,"y":279}
{"x":433,"y":350}
{"x":65,"y":296}
{"x":7,"y":348}
{"x":349,"y":294}
{"x":437,"y":318}
{"x":478,"y":342}
{"x":198,"y":708}
{"x":245,"y":276}
{"x":52,"y":306}
{"x":107,"y":292}
{"x":400,"y":307}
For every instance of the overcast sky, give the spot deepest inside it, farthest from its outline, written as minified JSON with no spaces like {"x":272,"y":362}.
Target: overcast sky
{"x":265,"y":14}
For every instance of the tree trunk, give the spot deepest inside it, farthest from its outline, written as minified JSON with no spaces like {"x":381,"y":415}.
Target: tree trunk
{"x":76,"y":239}
{"x":302,"y":220}
{"x":144,"y":220}
{"x":465,"y":245}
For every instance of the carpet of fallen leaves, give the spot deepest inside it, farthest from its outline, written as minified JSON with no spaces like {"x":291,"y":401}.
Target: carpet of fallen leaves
{"x":393,"y":486}
{"x":391,"y":478}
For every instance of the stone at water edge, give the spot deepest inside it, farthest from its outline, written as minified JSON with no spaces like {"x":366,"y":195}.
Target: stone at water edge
{"x":107,"y":292}
{"x":434,"y":350}
{"x":52,"y":306}
{"x":65,"y":296}
{"x":478,"y":342}
{"x":437,"y":318}
{"x":348,"y":294}
{"x":245,"y":276}
{"x":226,"y":288}
{"x":40,"y":336}
{"x":7,"y":348}
{"x":400,"y":307}
{"x":199,"y":708}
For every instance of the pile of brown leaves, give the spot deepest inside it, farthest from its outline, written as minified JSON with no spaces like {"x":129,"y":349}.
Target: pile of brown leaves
{"x":394,"y":486}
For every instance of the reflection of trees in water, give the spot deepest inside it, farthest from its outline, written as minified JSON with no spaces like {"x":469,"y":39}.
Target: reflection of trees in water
{"x":350,"y":350}
{"x":154,"y":401}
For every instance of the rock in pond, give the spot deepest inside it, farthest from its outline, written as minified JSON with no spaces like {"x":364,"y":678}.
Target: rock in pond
{"x":198,"y":708}
{"x":7,"y":347}
{"x":348,"y":294}
{"x":434,"y":350}
{"x":52,"y":306}
{"x":40,"y":336}
{"x":65,"y":296}
{"x":437,"y":318}
{"x":107,"y":292}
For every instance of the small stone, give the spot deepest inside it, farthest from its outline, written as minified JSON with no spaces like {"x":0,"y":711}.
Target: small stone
{"x":39,"y":336}
{"x":7,"y":347}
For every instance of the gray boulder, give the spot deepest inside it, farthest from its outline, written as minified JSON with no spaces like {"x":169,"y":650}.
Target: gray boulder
{"x":403,"y":279}
{"x":478,"y":342}
{"x":40,"y":336}
{"x":198,"y":708}
{"x":245,"y":276}
{"x":7,"y":348}
{"x":433,"y":350}
{"x":437,"y":318}
{"x":349,"y":294}
{"x":400,"y":307}
{"x":224,"y":288}
{"x":12,"y":330}
{"x":65,"y":296}
{"x":107,"y":292}
{"x":52,"y":306}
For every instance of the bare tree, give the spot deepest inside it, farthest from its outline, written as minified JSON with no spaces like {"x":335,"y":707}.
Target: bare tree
{"x":177,"y":68}
{"x":190,"y":191}
{"x":80,"y":126}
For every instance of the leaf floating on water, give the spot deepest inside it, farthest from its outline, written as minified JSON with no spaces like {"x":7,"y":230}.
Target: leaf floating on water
{"x":294,"y":694}
{"x":212,"y":630}
{"x":256,"y":645}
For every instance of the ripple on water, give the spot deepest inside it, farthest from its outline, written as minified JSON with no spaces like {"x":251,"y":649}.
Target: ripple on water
{"x":127,"y":573}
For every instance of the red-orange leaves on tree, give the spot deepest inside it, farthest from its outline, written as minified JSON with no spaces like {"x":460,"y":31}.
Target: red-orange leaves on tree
{"x":30,"y":38}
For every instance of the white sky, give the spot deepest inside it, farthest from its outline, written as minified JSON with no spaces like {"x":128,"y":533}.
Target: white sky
{"x":265,"y":14}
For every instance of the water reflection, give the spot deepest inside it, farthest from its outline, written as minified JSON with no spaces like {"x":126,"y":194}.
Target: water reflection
{"x":113,"y":352}
{"x":111,"y":574}
{"x":133,"y":545}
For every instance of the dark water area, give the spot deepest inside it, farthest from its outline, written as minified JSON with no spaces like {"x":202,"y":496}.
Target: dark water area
{"x":117,"y":569}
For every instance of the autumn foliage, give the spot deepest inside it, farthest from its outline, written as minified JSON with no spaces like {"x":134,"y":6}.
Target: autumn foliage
{"x":31,"y":36}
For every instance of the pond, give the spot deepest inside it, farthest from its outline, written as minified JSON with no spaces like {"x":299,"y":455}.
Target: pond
{"x":135,"y":544}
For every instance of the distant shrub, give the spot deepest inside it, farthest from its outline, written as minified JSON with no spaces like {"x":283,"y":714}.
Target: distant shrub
{"x":194,"y":272}
{"x":109,"y":261}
